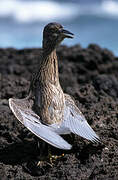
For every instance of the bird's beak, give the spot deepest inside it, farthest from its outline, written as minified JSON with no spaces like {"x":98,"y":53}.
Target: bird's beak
{"x":66,"y":33}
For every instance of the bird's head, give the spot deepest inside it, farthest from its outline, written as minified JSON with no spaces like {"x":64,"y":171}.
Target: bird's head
{"x":54,"y":34}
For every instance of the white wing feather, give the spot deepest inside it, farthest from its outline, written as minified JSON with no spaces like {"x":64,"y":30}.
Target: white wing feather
{"x":31,"y":121}
{"x":76,"y":122}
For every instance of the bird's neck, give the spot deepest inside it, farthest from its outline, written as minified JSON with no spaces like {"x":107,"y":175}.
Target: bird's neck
{"x":49,"y":67}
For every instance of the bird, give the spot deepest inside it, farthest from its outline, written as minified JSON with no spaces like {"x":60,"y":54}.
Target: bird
{"x":47,"y":111}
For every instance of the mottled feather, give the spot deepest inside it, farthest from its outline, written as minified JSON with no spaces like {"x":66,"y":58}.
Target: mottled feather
{"x":47,"y":111}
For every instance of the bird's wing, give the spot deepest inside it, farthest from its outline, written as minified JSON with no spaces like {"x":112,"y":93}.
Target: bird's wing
{"x":76,"y":122}
{"x":32,"y":121}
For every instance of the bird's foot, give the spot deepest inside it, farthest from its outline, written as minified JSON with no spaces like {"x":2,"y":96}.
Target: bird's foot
{"x":50,"y":160}
{"x":46,"y":158}
{"x":44,"y":163}
{"x":53,"y":158}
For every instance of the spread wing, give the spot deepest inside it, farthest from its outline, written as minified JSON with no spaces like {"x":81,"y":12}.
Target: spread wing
{"x":76,"y":122}
{"x":32,"y":121}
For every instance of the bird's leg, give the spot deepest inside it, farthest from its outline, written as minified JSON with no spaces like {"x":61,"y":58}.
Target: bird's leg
{"x":53,"y":158}
{"x":72,"y":137}
{"x":46,"y":157}
{"x":43,"y":157}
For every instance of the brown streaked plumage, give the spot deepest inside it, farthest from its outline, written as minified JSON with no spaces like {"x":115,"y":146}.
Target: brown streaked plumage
{"x":47,"y":111}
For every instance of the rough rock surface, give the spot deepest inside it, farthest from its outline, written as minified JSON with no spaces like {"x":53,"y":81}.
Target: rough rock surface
{"x":91,"y":76}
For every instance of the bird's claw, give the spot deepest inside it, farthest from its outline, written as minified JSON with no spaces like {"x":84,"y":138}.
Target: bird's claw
{"x":44,"y":163}
{"x":50,"y":160}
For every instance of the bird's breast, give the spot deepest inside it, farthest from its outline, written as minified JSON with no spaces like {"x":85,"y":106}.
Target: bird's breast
{"x":51,"y":102}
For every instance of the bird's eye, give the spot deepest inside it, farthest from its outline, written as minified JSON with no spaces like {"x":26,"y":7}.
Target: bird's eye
{"x":53,"y":30}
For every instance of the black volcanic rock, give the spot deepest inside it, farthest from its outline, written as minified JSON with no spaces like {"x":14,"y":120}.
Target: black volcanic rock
{"x":91,"y":76}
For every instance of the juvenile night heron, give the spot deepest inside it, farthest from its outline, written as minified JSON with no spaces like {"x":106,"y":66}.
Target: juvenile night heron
{"x":47,"y":111}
